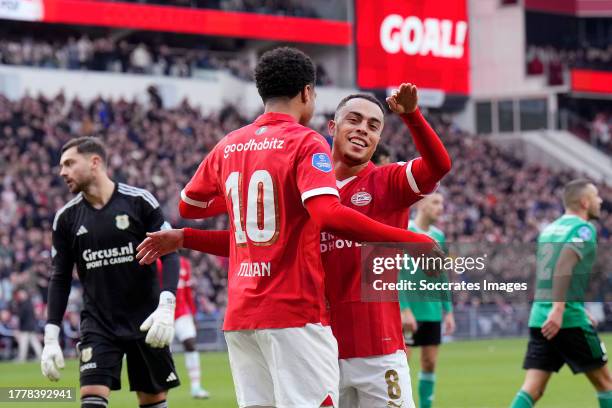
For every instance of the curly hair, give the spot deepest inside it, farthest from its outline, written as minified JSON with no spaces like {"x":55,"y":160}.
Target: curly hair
{"x":283,"y":72}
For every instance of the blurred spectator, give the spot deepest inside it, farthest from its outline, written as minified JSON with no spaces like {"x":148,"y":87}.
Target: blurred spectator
{"x":26,"y":334}
{"x":7,"y":334}
{"x":600,"y":131}
{"x":535,"y":65}
{"x":140,"y":59}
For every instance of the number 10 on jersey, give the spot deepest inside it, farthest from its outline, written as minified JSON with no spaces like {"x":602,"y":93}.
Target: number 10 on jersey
{"x":261,"y":218}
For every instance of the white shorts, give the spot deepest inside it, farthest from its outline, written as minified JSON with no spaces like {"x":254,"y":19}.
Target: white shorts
{"x":295,"y":367}
{"x":372,"y":382}
{"x":184,"y":328}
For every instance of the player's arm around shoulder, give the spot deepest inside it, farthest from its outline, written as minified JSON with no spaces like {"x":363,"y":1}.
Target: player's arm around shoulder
{"x":419,"y":176}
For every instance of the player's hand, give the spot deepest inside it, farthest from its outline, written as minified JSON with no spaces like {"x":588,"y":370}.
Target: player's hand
{"x":449,"y":324}
{"x":158,"y":244}
{"x":553,"y":323}
{"x":404,"y":99}
{"x":409,"y":323}
{"x":160,"y":325}
{"x":52,"y":359}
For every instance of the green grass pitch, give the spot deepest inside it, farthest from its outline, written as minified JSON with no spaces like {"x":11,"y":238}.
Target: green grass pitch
{"x":474,"y":374}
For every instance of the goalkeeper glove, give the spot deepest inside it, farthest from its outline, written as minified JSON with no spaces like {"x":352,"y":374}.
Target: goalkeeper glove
{"x":160,"y":325}
{"x":52,"y":358}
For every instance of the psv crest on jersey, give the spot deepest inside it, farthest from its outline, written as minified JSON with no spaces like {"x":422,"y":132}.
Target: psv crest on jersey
{"x":122,"y":221}
{"x":361,"y":198}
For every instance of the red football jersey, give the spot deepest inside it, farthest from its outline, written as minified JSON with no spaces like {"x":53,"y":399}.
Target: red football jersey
{"x":265,"y":171}
{"x":365,"y":329}
{"x":185,"y":303}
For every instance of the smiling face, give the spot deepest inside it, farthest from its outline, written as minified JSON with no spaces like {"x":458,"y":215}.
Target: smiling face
{"x":356,"y":130}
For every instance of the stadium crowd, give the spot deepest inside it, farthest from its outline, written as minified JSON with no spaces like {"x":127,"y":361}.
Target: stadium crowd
{"x":554,"y":62}
{"x":294,"y":8}
{"x":492,"y":195}
{"x":595,"y":129}
{"x":106,"y":54}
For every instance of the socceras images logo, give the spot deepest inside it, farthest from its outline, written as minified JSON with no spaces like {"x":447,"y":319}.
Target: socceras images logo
{"x":321,"y":161}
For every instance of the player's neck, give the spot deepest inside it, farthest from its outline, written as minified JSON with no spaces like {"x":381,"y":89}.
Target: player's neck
{"x":282,"y":107}
{"x":99,"y":192}
{"x":579,"y":214}
{"x":343,"y":170}
{"x":423,"y":223}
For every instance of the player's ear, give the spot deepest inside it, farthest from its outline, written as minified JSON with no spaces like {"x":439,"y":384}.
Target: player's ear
{"x":331,"y":127}
{"x":307,"y":93}
{"x":96,"y":161}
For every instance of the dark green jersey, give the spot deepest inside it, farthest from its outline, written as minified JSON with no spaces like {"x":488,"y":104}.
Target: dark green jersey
{"x":424,"y":311}
{"x":568,"y":231}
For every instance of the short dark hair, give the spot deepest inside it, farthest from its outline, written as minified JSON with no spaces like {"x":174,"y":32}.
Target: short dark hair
{"x":283,"y":72}
{"x":87,"y":145}
{"x":573,"y":191}
{"x":366,"y":96}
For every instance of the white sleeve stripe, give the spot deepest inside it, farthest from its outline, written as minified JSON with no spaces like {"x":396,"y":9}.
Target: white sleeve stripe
{"x":136,"y":192}
{"x":145,"y":194}
{"x":411,"y":181}
{"x":69,"y":204}
{"x":193,"y":202}
{"x":319,"y":191}
{"x":139,"y":190}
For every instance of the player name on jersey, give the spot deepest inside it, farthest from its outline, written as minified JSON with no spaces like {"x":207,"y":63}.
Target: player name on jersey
{"x":109,"y":256}
{"x":255,"y":269}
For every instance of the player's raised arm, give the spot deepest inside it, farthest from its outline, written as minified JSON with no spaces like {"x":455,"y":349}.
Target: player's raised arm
{"x":314,"y":174}
{"x":426,"y":171}
{"x":52,"y":358}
